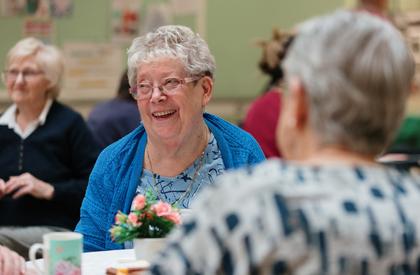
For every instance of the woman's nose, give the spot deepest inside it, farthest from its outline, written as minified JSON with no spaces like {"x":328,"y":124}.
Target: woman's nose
{"x":157,"y":94}
{"x":20,"y":78}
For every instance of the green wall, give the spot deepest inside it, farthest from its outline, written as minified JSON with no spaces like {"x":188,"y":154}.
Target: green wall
{"x":231,"y":28}
{"x":234,"y":25}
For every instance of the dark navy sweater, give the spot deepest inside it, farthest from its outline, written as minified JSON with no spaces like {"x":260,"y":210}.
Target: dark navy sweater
{"x":61,"y":152}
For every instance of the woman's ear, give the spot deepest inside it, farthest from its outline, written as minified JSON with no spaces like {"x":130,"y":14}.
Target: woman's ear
{"x":292,"y":127}
{"x":300,"y":104}
{"x":207,"y":86}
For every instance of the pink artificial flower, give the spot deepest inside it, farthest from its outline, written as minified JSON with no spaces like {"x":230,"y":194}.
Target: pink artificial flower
{"x":139,"y":202}
{"x":162,"y":208}
{"x":133,"y":219}
{"x":165,"y":210}
{"x":174,"y":217}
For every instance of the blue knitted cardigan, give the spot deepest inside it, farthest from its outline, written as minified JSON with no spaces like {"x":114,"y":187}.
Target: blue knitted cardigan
{"x":114,"y":179}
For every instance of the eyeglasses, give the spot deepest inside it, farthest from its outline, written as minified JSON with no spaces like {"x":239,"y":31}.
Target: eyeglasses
{"x":168,"y":86}
{"x":12,"y":75}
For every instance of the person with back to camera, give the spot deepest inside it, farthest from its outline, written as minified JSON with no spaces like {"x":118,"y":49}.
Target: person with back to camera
{"x":330,"y":209}
{"x":46,"y":150}
{"x":113,"y":119}
{"x":178,"y":149}
{"x":262,"y":116}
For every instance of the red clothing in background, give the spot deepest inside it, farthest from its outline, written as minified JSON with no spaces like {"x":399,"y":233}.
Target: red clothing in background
{"x":261,"y":121}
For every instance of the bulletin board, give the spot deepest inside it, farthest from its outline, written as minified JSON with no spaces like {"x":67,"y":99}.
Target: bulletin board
{"x":229,"y":27}
{"x":93,"y":35}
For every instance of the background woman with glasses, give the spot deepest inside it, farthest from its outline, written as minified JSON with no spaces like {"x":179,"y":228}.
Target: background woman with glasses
{"x":178,"y":149}
{"x":46,"y":149}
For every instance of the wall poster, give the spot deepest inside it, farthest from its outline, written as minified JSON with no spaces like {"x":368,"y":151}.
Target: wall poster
{"x":125,"y":20}
{"x":88,"y":74}
{"x":37,"y":8}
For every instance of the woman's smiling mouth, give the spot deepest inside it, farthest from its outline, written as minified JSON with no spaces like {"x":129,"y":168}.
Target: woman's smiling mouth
{"x":163,"y":114}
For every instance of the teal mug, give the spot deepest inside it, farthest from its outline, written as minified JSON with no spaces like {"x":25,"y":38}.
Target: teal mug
{"x":62,"y":253}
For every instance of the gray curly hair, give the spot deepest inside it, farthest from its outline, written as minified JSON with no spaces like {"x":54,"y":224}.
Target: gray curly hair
{"x":357,"y":72}
{"x":178,"y":42}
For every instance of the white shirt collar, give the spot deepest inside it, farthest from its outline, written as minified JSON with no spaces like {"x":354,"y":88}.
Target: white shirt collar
{"x":43,"y":116}
{"x":9,"y":119}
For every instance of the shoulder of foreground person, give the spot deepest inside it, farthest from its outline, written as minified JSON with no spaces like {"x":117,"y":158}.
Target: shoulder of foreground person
{"x":239,"y":182}
{"x":276,"y":207}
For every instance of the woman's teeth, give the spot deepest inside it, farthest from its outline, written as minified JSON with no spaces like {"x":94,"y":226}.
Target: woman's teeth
{"x":161,"y":114}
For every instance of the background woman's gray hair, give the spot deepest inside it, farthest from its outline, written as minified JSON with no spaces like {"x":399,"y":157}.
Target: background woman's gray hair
{"x":48,"y":58}
{"x":178,"y":42}
{"x":357,"y":72}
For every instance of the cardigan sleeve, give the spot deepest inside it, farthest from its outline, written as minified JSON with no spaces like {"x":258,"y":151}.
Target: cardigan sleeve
{"x":106,"y":193}
{"x":95,"y":207}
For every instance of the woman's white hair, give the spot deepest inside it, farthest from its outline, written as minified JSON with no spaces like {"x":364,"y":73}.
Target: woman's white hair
{"x":48,"y":58}
{"x":178,"y":42}
{"x":357,"y":72}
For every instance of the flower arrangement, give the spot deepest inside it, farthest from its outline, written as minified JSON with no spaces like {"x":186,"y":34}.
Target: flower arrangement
{"x":149,"y":218}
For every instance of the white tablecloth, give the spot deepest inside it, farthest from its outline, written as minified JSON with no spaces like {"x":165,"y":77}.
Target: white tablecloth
{"x":96,"y":263}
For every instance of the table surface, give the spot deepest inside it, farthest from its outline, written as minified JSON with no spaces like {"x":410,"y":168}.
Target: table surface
{"x":96,"y":263}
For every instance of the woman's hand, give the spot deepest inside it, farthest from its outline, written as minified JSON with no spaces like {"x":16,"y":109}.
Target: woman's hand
{"x":2,"y":188}
{"x":10,"y":262}
{"x":26,"y":184}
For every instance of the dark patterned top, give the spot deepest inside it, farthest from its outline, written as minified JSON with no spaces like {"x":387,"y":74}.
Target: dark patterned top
{"x":173,"y":188}
{"x":279,"y":218}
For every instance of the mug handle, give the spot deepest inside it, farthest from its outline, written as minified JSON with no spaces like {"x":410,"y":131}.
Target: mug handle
{"x":32,"y":255}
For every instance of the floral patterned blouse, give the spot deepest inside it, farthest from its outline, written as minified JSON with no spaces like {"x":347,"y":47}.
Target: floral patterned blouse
{"x":280,"y":218}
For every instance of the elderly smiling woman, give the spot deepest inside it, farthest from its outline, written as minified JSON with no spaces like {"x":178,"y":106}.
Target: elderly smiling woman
{"x":178,"y":149}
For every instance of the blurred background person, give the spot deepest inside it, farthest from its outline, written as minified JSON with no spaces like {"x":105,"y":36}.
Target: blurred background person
{"x":375,"y":7}
{"x":113,"y":119}
{"x":408,"y":138}
{"x":331,"y":209}
{"x":263,"y":113}
{"x":179,"y":149}
{"x":404,"y":152}
{"x":46,"y":149}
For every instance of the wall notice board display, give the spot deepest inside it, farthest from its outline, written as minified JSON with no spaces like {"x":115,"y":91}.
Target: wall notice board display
{"x":230,"y":27}
{"x":88,"y":73}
